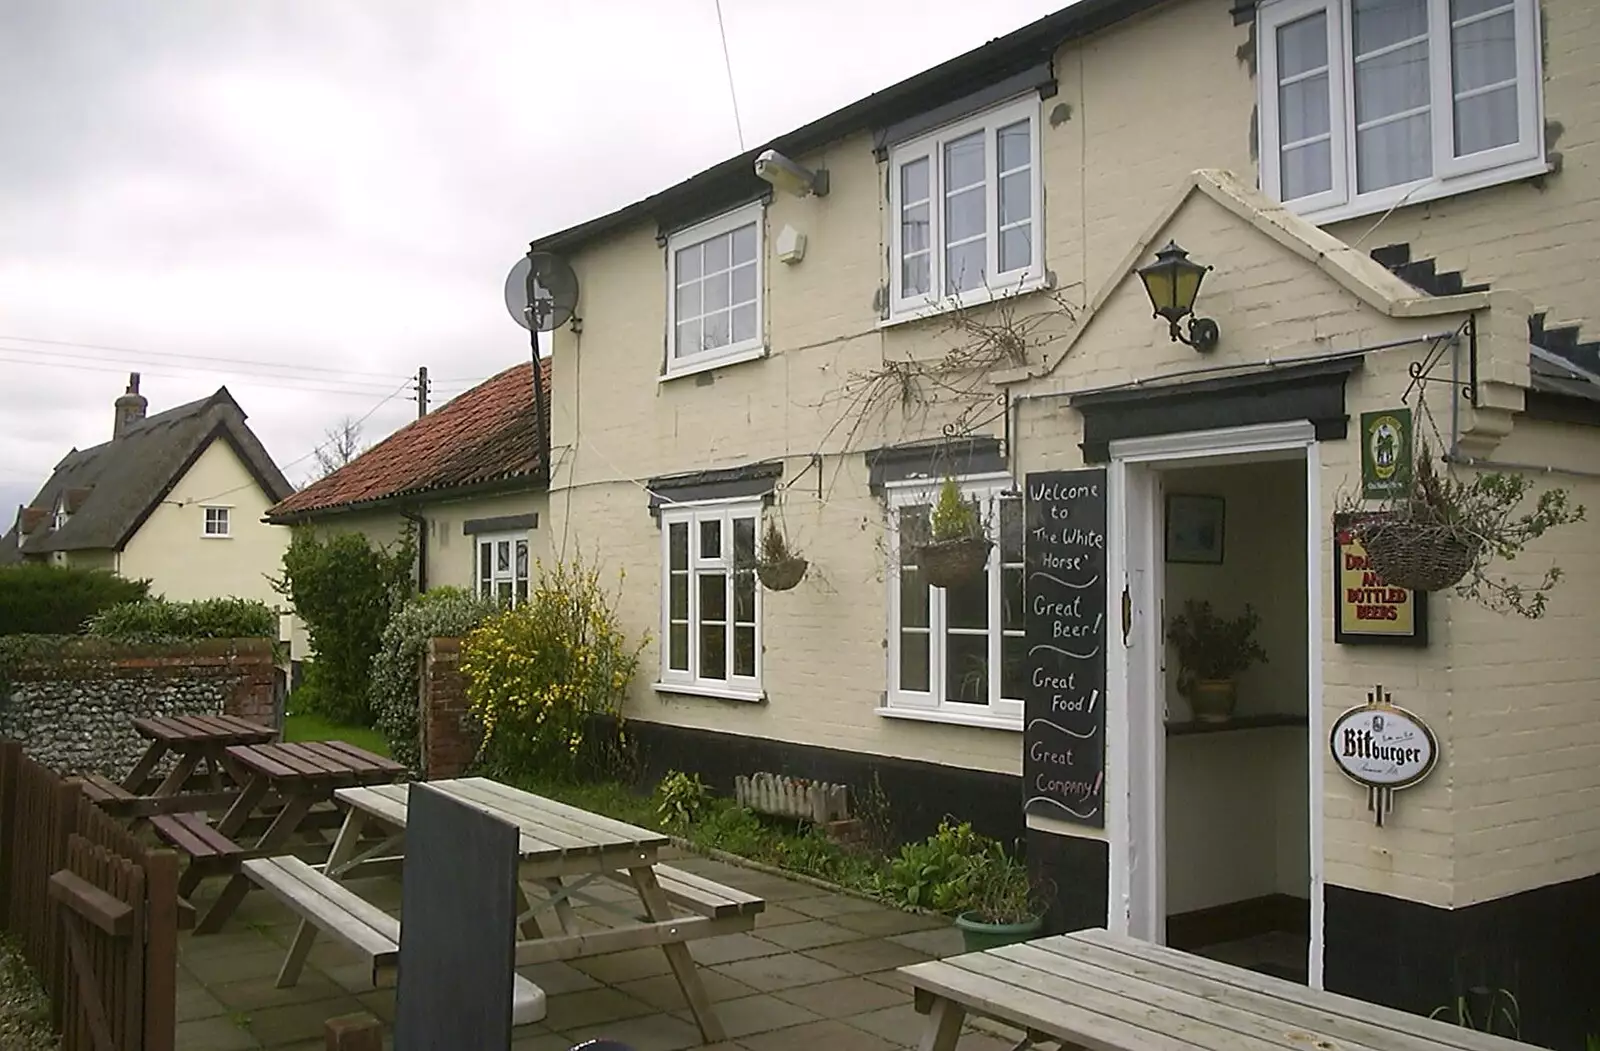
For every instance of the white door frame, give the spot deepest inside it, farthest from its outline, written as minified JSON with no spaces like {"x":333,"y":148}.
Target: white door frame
{"x":1136,"y":735}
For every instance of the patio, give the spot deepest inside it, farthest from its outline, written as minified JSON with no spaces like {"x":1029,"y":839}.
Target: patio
{"x":817,"y":970}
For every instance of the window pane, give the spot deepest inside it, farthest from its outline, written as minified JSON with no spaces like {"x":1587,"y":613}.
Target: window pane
{"x":1460,"y":9}
{"x":744,"y":284}
{"x":713,"y":651}
{"x":717,"y":250}
{"x":914,"y":229}
{"x":1011,"y":599}
{"x":711,"y":538}
{"x":503,"y":592}
{"x":678,"y":545}
{"x":1486,"y":121}
{"x":744,"y":651}
{"x":1380,"y":23}
{"x":914,"y":661}
{"x":913,"y":598}
{"x":1394,"y":153}
{"x":967,"y":604}
{"x":522,"y":559}
{"x":688,"y":263}
{"x":502,"y":556}
{"x":916,"y":277}
{"x":678,"y":596}
{"x":967,"y":668}
{"x":1013,"y":667}
{"x":713,"y":597}
{"x":744,"y":244}
{"x":485,"y":562}
{"x":1010,"y":529}
{"x":678,"y":648}
{"x":964,"y":215}
{"x":1392,"y":83}
{"x":963,"y":162}
{"x":522,"y":590}
{"x":1485,"y":52}
{"x":914,"y":181}
{"x":964,"y":267}
{"x":914,"y":531}
{"x":1016,"y":248}
{"x":689,"y":338}
{"x":744,"y":323}
{"x":744,"y":597}
{"x":1303,"y":46}
{"x":1014,"y":146}
{"x":717,"y":330}
{"x":1303,"y":109}
{"x":717,"y":290}
{"x":1307,"y":170}
{"x":1016,"y":197}
{"x":744,"y":541}
{"x":688,"y":301}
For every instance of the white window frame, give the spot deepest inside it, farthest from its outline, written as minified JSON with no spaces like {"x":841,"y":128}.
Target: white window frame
{"x":734,"y":352}
{"x":227,"y":522}
{"x":734,"y":687}
{"x":1451,"y":174}
{"x":1001,"y":712}
{"x":904,"y":307}
{"x":491,"y":588}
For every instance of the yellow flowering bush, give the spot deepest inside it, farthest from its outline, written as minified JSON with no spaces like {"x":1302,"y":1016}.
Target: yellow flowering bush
{"x":547,"y":678}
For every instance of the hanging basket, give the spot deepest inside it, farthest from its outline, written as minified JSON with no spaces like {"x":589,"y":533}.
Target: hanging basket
{"x":947,"y":563}
{"x":1416,"y":555}
{"x":781,"y":574}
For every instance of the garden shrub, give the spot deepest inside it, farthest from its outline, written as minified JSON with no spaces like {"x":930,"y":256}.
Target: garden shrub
{"x":40,"y":599}
{"x":396,"y":669}
{"x":346,"y":591}
{"x":160,"y":620}
{"x":546,"y":680}
{"x":941,"y":873}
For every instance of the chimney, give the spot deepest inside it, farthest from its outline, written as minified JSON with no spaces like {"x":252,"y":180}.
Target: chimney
{"x":130,"y":408}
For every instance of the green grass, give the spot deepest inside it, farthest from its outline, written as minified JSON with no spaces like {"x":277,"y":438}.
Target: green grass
{"x":309,"y":727}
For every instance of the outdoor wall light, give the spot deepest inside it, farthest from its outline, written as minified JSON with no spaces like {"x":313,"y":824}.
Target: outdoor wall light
{"x":1173,"y":282}
{"x":786,"y":175}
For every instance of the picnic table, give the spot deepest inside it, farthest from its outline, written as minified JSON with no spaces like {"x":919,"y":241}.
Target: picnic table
{"x":562,"y":850}
{"x":293,"y":777}
{"x":1103,"y":992}
{"x":196,"y":741}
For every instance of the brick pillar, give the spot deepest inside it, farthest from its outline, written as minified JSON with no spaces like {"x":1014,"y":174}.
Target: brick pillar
{"x":449,"y":739}
{"x":254,"y":691}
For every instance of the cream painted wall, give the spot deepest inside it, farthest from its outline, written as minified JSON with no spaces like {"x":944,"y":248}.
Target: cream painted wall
{"x":1109,"y":164}
{"x":170,"y":548}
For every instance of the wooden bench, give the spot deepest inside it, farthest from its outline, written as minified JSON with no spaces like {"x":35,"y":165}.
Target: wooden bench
{"x":705,"y":897}
{"x":333,"y":908}
{"x":105,"y":793}
{"x":210,"y":852}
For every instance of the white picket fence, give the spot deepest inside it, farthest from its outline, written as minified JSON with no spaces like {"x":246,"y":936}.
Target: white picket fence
{"x":792,"y":797}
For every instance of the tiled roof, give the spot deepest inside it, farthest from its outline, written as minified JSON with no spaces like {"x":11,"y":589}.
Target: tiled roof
{"x":486,"y":435}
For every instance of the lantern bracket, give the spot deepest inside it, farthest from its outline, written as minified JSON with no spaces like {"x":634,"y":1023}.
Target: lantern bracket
{"x":1202,"y":335}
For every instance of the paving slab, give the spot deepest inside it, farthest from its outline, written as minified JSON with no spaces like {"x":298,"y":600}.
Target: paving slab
{"x":844,"y":997}
{"x":617,"y":967}
{"x":778,"y":915}
{"x":216,"y":1034}
{"x":939,"y":942}
{"x":522,"y":1040}
{"x":829,"y":905}
{"x":898,"y":1025}
{"x":657,"y":1032}
{"x":785,"y":971}
{"x":810,"y":935}
{"x":592,"y":1006}
{"x":662,"y":991}
{"x":882,"y":922}
{"x":830,"y":1033}
{"x":866,"y":956}
{"x":276,"y":1026}
{"x":730,"y":947}
{"x":758,"y":1014}
{"x":253,"y":994}
{"x":195,"y":1002}
{"x":556,"y":978}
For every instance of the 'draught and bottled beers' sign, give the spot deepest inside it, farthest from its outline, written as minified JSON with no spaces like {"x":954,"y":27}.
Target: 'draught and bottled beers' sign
{"x":1366,"y":610}
{"x":1064,"y":743}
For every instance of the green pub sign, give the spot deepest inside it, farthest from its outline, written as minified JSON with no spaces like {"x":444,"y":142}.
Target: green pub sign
{"x":1385,"y":453}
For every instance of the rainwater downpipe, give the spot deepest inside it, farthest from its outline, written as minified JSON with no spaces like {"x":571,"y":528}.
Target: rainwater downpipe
{"x":422,"y":547}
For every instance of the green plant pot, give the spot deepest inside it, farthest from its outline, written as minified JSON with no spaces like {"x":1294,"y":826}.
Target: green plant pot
{"x":1213,"y":699}
{"x":976,"y":936}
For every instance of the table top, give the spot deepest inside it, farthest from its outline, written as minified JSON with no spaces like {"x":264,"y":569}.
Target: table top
{"x":549,"y":830}
{"x":192,"y":730}
{"x":1107,"y":992}
{"x":329,"y":763}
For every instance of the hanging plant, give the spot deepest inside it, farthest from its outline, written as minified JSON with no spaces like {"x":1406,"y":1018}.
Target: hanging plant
{"x":779,"y":567}
{"x":1444,"y":532}
{"x":958,"y":549}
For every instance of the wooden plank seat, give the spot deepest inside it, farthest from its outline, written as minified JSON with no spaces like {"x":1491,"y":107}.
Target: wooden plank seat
{"x":210,"y":852}
{"x":705,"y":897}
{"x":105,"y":793}
{"x":332,"y":908}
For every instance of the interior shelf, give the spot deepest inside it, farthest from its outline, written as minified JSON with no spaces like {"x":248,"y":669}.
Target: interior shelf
{"x":1238,"y":722}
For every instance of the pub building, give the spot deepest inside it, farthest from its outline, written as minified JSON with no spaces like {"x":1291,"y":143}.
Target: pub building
{"x":1401,"y":802}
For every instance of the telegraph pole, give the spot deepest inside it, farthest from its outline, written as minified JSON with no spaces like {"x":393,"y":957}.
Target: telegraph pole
{"x":422,"y":391}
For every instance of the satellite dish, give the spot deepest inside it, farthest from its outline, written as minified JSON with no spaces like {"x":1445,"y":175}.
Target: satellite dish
{"x":546,"y":302}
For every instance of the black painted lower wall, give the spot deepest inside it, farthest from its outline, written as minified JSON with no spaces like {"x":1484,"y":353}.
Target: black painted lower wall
{"x":1542,"y":946}
{"x":919,"y":796}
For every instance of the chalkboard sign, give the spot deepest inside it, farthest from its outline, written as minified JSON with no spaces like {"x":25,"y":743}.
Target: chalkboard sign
{"x":1064,"y":743}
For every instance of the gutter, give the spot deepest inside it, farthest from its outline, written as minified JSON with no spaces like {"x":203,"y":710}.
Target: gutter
{"x":537,"y":480}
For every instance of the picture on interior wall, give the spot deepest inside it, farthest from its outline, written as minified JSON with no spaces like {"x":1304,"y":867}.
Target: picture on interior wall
{"x":1194,"y":528}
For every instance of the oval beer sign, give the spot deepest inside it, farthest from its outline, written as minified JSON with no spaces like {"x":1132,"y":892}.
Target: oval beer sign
{"x":1381,"y":746}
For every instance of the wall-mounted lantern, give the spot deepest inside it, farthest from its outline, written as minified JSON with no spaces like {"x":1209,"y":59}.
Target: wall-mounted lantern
{"x":1173,"y":282}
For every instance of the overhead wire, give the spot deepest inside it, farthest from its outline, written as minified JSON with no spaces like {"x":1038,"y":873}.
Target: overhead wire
{"x":81,"y":363}
{"x":727,"y":64}
{"x":385,"y":377}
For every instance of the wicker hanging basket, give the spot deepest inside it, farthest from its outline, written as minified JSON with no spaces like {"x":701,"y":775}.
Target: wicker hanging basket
{"x":1417,"y":555}
{"x":781,"y":574}
{"x":947,"y":563}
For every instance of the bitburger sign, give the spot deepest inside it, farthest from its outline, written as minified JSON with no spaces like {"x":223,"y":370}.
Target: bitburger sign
{"x":1382,"y":747}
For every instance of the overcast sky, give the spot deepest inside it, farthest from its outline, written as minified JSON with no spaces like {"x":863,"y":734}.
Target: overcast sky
{"x":307,"y":199}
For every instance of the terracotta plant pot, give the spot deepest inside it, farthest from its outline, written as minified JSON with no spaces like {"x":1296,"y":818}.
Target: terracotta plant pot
{"x":947,"y":563}
{"x":977,"y":936}
{"x":783,"y":574}
{"x":1213,"y":699}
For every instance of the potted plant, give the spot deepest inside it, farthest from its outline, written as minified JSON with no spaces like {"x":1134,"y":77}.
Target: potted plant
{"x":1443,"y":531}
{"x":958,"y":548}
{"x":779,"y":567}
{"x":1006,"y":904}
{"x":1212,"y":652}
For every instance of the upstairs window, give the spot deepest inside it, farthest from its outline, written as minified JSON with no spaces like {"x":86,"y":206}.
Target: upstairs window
{"x":217,"y":522}
{"x":1366,"y":104}
{"x":714,"y":277}
{"x":964,"y":207}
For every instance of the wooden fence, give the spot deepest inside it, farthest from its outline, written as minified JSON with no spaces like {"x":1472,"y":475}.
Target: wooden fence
{"x":94,"y":910}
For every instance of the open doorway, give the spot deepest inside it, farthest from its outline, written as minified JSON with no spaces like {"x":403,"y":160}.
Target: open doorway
{"x":1237,"y":829}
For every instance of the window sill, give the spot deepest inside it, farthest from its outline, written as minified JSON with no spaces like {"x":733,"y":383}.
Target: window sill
{"x":216,"y":536}
{"x":934,"y":715}
{"x":1438,"y":189}
{"x":720,"y":693}
{"x":696,"y":367}
{"x":978,"y":298}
